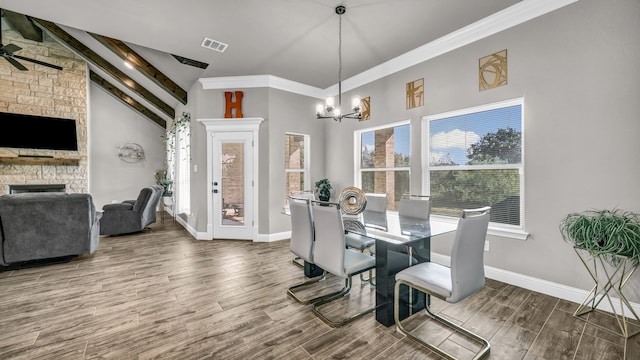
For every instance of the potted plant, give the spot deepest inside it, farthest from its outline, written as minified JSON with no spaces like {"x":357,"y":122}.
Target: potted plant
{"x":612,"y":240}
{"x":604,"y":232}
{"x":323,"y":188}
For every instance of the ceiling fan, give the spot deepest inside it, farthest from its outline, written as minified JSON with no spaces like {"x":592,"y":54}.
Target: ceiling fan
{"x":7,"y":52}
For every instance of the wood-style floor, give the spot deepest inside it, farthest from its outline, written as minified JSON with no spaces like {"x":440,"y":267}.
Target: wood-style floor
{"x":161,"y":294}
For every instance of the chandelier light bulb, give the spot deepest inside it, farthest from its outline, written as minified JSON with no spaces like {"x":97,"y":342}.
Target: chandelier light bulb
{"x":329,"y":102}
{"x":355,"y":103}
{"x":319,"y":109}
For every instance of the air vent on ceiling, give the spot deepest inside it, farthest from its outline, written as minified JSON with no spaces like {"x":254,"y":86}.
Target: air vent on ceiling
{"x":214,"y":45}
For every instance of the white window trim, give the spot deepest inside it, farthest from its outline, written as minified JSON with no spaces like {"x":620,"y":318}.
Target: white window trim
{"x":183,"y":164}
{"x":307,"y":160}
{"x":503,"y":230}
{"x":357,"y":140}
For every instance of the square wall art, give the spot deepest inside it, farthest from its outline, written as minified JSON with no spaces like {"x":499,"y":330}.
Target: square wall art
{"x":415,"y":94}
{"x":493,"y":70}
{"x":365,"y":106}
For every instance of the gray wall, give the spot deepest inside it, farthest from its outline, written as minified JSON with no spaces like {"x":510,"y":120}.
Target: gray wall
{"x":578,"y":70}
{"x":282,"y":111}
{"x":209,"y":104}
{"x":112,"y":124}
{"x":289,"y":113}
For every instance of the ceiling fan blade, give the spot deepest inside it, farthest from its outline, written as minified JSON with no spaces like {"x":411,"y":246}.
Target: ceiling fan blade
{"x":10,"y":48}
{"x":15,"y":63}
{"x":38,"y":62}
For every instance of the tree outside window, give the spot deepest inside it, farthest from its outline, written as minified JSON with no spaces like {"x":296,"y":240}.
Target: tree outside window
{"x":475,"y":159}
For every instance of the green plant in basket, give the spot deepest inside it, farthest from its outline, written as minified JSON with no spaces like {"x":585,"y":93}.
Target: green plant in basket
{"x":604,"y":232}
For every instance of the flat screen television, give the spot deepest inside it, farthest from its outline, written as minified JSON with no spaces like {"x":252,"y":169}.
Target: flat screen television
{"x":37,"y":132}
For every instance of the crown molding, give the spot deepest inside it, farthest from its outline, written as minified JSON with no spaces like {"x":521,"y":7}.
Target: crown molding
{"x":256,"y":81}
{"x":493,"y":24}
{"x":512,"y":16}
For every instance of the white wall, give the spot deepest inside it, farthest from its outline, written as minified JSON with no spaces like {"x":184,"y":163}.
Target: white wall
{"x":112,"y":124}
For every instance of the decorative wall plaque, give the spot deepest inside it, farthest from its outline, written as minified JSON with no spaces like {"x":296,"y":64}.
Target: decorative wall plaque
{"x":493,"y":70}
{"x":415,"y":94}
{"x":365,"y":106}
{"x":233,"y":108}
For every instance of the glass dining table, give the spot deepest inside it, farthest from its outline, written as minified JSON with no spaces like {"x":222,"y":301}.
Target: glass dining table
{"x":399,"y":243}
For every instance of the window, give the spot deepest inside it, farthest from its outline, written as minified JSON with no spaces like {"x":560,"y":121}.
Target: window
{"x":475,"y":159}
{"x":296,"y":164}
{"x":382,"y":164}
{"x":183,"y":153}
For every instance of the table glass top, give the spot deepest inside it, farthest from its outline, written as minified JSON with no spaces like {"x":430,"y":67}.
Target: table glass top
{"x":391,"y":227}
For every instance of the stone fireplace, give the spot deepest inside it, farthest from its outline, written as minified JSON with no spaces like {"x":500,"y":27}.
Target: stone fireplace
{"x":43,"y":91}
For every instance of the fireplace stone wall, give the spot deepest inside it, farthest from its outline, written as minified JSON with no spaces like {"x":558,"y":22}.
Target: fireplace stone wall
{"x":46,"y":92}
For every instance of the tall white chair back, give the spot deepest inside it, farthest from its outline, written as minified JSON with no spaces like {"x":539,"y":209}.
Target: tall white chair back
{"x":375,"y":213}
{"x":306,"y":194}
{"x":302,"y":231}
{"x":329,"y":253}
{"x":415,"y":208}
{"x":467,"y":254}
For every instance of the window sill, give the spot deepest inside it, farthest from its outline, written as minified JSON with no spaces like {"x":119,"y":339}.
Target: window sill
{"x":513,"y":232}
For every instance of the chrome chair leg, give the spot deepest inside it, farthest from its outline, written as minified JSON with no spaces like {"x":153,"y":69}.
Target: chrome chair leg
{"x":290,"y":290}
{"x":371,"y":280}
{"x":337,"y":323}
{"x":296,"y":261}
{"x":486,"y":347}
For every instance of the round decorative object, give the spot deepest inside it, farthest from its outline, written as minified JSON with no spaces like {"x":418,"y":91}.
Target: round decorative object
{"x":131,"y":152}
{"x":354,"y":226}
{"x":352,"y":200}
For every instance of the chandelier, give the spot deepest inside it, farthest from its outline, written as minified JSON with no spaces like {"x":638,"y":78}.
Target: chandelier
{"x":332,"y":111}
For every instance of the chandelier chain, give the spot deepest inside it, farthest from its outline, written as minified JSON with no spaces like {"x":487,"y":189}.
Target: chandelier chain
{"x":340,"y":60}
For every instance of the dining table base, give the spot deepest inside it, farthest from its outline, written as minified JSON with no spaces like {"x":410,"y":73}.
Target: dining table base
{"x":390,"y":259}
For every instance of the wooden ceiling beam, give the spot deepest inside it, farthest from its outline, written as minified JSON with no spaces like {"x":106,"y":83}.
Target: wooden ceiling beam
{"x":105,"y":66}
{"x":128,"y":100}
{"x":141,"y":64}
{"x":24,"y":25}
{"x":190,"y":62}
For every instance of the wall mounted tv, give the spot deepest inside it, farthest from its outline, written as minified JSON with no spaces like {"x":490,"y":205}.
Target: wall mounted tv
{"x":37,"y":132}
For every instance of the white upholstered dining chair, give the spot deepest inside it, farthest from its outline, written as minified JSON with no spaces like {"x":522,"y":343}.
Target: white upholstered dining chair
{"x":332,"y":255}
{"x":303,"y":245}
{"x":451,"y":284}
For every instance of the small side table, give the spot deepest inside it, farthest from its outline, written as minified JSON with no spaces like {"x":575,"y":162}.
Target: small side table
{"x":167,"y":203}
{"x":610,"y":274}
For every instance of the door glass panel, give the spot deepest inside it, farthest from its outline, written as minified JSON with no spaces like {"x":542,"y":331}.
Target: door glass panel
{"x":233,"y":183}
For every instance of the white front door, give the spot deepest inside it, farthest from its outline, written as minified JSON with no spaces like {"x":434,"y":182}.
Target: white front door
{"x":233,"y":185}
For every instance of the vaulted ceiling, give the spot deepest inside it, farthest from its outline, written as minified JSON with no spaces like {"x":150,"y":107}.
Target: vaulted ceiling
{"x":292,"y":39}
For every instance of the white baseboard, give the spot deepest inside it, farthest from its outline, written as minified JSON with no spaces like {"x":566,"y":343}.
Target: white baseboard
{"x":542,"y":286}
{"x":191,"y":230}
{"x":274,"y":237}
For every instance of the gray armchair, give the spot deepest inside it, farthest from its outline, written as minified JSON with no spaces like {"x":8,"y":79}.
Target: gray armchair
{"x":131,"y":216}
{"x":45,"y":226}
